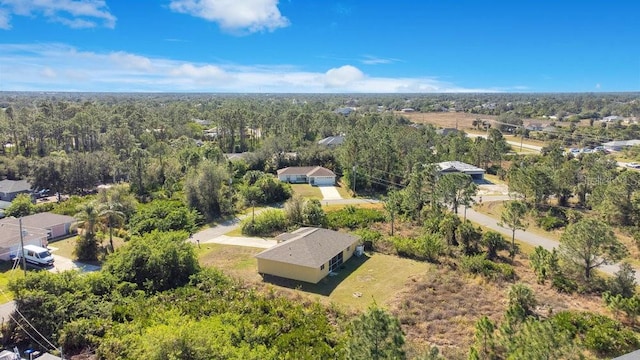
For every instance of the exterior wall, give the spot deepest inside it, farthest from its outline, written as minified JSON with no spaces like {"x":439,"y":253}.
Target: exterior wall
{"x":348,"y":252}
{"x":323,"y":180}
{"x":293,"y":178}
{"x":7,"y":253}
{"x":289,"y":271}
{"x":57,"y":231}
{"x":10,"y":196}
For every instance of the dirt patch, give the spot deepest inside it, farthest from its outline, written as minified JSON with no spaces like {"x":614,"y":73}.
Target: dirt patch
{"x":446,"y":119}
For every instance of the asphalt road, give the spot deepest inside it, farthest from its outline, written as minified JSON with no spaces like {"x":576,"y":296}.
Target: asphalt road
{"x":528,"y":237}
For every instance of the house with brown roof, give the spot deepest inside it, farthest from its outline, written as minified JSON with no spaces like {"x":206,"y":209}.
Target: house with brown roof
{"x":307,"y":254}
{"x":314,"y":175}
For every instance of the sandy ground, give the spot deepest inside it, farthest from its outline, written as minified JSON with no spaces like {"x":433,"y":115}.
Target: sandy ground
{"x":242,"y":241}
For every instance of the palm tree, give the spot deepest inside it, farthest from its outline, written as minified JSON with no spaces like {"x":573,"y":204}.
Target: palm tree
{"x":87,"y":216}
{"x":111,"y":214}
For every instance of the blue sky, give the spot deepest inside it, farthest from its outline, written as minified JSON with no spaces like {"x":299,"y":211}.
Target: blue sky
{"x":319,"y":46}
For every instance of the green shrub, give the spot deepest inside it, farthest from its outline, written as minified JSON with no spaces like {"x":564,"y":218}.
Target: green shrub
{"x":44,"y":207}
{"x":266,"y":223}
{"x":480,"y":265}
{"x":601,"y":334}
{"x":352,"y":218}
{"x":428,"y":247}
{"x":549,"y":222}
{"x":369,"y":237}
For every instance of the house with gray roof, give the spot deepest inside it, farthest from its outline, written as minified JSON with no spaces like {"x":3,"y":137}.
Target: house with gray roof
{"x":313,"y":175}
{"x":9,"y":189}
{"x":37,"y":229}
{"x":307,"y":254}
{"x":332,"y":141}
{"x":457,"y":166}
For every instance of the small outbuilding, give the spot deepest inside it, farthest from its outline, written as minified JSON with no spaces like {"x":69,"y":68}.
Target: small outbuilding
{"x":457,"y":166}
{"x":314,"y":175}
{"x":332,"y":141}
{"x":307,"y":254}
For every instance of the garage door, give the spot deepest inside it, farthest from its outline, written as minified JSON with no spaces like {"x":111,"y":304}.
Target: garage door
{"x":324,"y":180}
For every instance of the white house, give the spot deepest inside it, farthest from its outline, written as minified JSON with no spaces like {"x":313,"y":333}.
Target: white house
{"x":314,"y":175}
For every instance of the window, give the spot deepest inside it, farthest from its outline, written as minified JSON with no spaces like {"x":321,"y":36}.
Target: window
{"x":322,"y":267}
{"x":335,"y":262}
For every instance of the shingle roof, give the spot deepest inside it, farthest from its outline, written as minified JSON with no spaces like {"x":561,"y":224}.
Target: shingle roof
{"x":306,"y":170}
{"x":310,"y":247}
{"x":13,"y":186}
{"x":10,"y":232}
{"x":46,"y":220}
{"x":332,"y":140}
{"x":457,"y":166}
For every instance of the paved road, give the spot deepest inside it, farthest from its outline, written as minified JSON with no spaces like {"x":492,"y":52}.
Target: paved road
{"x":527,"y":237}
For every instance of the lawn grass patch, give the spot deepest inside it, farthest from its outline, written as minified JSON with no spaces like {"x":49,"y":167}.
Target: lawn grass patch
{"x":6,"y":275}
{"x":66,"y":246}
{"x":307,"y":191}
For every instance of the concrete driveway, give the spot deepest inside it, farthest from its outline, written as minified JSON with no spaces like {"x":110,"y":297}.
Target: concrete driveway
{"x":329,"y":193}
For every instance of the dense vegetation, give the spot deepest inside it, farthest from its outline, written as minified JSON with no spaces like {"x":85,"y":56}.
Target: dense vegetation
{"x":163,"y":158}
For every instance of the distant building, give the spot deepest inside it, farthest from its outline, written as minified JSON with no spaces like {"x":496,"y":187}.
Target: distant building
{"x":534,"y":127}
{"x":446,"y":131}
{"x":457,"y":166}
{"x":618,"y":145}
{"x":345,"y":111}
{"x":612,"y":118}
{"x":408,"y":110}
{"x":332,"y":141}
{"x":307,"y":254}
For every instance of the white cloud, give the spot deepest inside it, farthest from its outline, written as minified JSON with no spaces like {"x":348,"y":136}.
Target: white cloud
{"x":59,"y":67}
{"x":343,"y":76}
{"x":374,"y":60}
{"x":4,"y":20}
{"x":72,"y":13}
{"x":235,"y":15}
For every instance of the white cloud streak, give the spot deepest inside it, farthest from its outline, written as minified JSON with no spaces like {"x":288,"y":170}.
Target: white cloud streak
{"x":235,"y":16}
{"x":72,"y":13}
{"x":59,"y":67}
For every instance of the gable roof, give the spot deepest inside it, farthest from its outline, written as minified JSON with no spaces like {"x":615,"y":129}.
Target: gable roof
{"x":46,"y":220}
{"x":14,"y":186}
{"x":310,"y":247}
{"x":332,"y":140}
{"x":306,"y":171}
{"x":10,"y":232}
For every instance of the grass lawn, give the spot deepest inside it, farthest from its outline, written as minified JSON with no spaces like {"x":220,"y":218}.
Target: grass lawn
{"x":494,"y":209}
{"x":376,"y":277}
{"x":307,"y":191}
{"x":336,"y":207}
{"x":6,"y":274}
{"x":344,"y":191}
{"x":66,"y":246}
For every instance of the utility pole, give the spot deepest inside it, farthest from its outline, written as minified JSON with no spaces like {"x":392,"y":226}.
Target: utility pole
{"x":24,"y":263}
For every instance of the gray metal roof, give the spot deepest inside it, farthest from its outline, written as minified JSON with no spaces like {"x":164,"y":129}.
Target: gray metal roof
{"x":458,"y":166}
{"x":306,"y":171}
{"x":310,"y":247}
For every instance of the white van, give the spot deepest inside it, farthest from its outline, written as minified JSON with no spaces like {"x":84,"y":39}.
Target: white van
{"x":37,"y":255}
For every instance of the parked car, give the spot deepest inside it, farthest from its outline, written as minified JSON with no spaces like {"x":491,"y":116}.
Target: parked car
{"x":633,"y":165}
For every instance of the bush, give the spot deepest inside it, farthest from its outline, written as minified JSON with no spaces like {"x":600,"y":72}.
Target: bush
{"x":352,"y":217}
{"x":428,"y":247}
{"x":601,"y":334}
{"x":266,"y":223}
{"x":549,"y":222}
{"x":480,"y":265}
{"x":369,"y":237}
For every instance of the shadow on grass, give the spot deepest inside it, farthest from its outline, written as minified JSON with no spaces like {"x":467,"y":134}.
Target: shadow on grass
{"x":326,"y":286}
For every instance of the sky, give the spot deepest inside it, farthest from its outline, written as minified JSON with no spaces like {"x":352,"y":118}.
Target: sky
{"x":320,"y":46}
